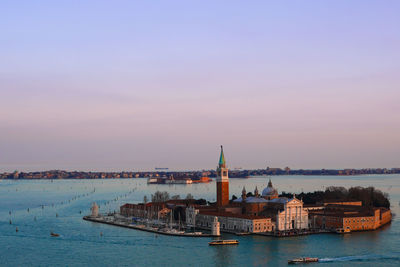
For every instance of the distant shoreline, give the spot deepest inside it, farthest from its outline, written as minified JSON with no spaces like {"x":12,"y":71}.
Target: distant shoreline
{"x":60,"y":174}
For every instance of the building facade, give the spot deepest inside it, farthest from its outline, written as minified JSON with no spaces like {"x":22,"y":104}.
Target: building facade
{"x":237,"y":223}
{"x":152,"y":210}
{"x":292,"y":216}
{"x":353,"y":218}
{"x":286,"y":214}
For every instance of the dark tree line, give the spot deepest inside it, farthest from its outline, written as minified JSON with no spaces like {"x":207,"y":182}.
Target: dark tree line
{"x":164,"y":196}
{"x":369,"y":196}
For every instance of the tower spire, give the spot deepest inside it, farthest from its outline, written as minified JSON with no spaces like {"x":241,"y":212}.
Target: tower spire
{"x":222,"y":159}
{"x":244,"y":194}
{"x":256,"y":192}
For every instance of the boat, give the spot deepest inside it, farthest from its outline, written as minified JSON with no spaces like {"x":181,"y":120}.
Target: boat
{"x":194,"y":233}
{"x":223,"y":242}
{"x":54,"y":234}
{"x":242,"y":233}
{"x":302,"y":260}
{"x":152,"y":180}
{"x":173,"y":231}
{"x":343,"y":230}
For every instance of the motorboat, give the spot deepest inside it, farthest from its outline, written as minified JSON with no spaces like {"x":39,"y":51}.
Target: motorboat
{"x":54,"y":234}
{"x":302,"y":260}
{"x":343,"y":230}
{"x":223,"y":242}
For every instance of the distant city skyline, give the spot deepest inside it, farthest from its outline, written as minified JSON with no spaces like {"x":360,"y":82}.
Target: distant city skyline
{"x":135,"y":85}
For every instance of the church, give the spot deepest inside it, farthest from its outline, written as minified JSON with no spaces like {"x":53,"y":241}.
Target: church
{"x":265,"y":212}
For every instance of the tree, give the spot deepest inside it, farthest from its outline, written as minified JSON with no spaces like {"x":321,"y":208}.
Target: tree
{"x":200,"y":201}
{"x":145,"y":199}
{"x":160,"y":196}
{"x":189,"y":196}
{"x":249,"y":194}
{"x":336,"y":192}
{"x":369,"y":196}
{"x":175,"y":197}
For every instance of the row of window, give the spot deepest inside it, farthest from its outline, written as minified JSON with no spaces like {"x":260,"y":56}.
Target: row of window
{"x":257,"y":226}
{"x":358,"y":220}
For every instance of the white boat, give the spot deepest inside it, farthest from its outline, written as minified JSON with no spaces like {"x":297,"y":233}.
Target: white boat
{"x":172,"y":231}
{"x":152,"y":180}
{"x":194,"y":233}
{"x":223,"y":242}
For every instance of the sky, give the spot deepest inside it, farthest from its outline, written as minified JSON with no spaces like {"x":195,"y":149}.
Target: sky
{"x":133,"y":85}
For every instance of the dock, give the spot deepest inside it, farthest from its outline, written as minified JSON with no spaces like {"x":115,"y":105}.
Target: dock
{"x":293,"y":233}
{"x":142,"y":227}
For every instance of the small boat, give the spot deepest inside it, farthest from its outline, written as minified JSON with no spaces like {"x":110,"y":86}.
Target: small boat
{"x":302,"y":260}
{"x":172,"y":231}
{"x":242,"y":233}
{"x":343,"y":230}
{"x":54,"y":234}
{"x":223,"y":242}
{"x":195,"y":233}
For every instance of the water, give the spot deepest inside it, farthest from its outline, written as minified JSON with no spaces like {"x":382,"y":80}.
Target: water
{"x":81,"y":243}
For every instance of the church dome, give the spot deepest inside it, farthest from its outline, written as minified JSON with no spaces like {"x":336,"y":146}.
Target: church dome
{"x":269,"y":190}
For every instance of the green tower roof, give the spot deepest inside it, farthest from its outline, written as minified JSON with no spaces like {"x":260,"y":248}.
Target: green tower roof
{"x":222,"y":158}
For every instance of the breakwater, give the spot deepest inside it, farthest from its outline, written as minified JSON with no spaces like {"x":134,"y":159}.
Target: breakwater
{"x":143,"y":228}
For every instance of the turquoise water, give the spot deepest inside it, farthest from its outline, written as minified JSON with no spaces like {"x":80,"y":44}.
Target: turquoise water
{"x":80,"y":242}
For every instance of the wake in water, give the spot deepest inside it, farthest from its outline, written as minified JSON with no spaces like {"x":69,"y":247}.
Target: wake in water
{"x":368,"y":257}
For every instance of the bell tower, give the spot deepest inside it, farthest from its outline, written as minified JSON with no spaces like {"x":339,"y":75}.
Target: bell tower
{"x":222,"y":182}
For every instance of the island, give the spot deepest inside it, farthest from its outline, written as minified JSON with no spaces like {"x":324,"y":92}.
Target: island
{"x":335,"y":210}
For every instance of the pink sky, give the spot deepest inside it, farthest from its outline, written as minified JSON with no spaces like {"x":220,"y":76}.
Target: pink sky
{"x":278,"y":85}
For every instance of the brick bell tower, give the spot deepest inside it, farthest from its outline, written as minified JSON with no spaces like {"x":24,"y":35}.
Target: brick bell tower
{"x":222,"y":182}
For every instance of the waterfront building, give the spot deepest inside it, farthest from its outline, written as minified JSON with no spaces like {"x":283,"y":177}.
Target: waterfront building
{"x":190,"y":214}
{"x":152,"y":210}
{"x":258,"y":213}
{"x":230,"y":222}
{"x":349,"y":217}
{"x":288,"y":214}
{"x":171,"y":180}
{"x":343,"y":202}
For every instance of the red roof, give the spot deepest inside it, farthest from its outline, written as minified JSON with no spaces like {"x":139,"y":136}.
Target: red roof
{"x":229,"y":214}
